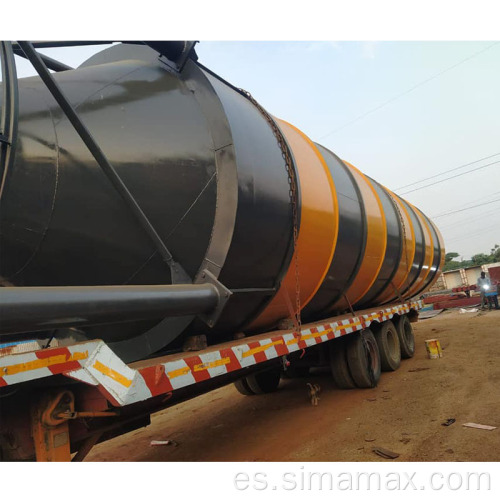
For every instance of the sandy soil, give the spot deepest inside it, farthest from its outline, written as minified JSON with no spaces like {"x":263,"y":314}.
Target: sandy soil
{"x":403,"y":414}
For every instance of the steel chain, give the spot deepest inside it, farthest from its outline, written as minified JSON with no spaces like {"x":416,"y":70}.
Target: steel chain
{"x":293,"y":192}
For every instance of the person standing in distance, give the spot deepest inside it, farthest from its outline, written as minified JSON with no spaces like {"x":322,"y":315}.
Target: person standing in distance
{"x":487,"y":293}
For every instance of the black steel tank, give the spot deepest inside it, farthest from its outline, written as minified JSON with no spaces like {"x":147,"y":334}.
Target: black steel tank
{"x":205,"y":165}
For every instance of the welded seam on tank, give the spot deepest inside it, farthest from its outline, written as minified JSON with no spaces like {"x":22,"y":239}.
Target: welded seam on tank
{"x":173,"y":230}
{"x":141,"y":267}
{"x":191,"y":206}
{"x":44,"y":234}
{"x":86,"y":99}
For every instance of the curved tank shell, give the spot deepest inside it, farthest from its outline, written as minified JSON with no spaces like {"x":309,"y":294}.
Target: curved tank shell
{"x":203,"y":163}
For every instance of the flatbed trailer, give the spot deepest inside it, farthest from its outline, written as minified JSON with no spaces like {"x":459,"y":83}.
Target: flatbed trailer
{"x":59,"y":401}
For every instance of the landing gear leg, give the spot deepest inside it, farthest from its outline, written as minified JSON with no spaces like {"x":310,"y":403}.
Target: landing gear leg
{"x":50,"y":431}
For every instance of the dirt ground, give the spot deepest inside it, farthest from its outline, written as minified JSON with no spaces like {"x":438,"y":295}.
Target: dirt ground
{"x":403,"y":414}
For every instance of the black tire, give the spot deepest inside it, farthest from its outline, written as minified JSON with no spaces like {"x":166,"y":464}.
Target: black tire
{"x":338,"y":364}
{"x":406,"y":337}
{"x":243,"y":388}
{"x":264,"y":382}
{"x":388,"y":345}
{"x":363,"y":359}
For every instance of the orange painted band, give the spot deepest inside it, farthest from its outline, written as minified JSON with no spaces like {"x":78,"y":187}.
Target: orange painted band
{"x":376,"y":242}
{"x":429,"y":253}
{"x":442,"y":256}
{"x":319,"y":221}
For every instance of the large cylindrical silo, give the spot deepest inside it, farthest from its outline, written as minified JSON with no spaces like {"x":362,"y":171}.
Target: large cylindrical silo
{"x":205,"y":166}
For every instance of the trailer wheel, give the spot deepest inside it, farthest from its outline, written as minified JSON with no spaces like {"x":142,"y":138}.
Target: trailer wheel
{"x":389,"y":346}
{"x":264,"y":382}
{"x":243,"y":388}
{"x":406,"y":337}
{"x":363,"y":359}
{"x":338,"y":364}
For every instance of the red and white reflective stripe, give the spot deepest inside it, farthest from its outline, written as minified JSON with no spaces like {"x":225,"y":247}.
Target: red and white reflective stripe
{"x":23,"y":367}
{"x":95,"y":363}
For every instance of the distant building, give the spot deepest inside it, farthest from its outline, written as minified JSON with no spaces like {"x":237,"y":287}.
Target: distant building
{"x":462,"y":277}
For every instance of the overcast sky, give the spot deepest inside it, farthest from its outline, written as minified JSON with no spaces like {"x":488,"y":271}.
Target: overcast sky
{"x":399,"y":111}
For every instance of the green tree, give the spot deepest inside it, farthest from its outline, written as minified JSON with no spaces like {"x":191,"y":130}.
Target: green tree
{"x":481,"y":258}
{"x":495,"y":253}
{"x":476,"y":260}
{"x":454,"y":264}
{"x":450,"y":264}
{"x":450,"y":256}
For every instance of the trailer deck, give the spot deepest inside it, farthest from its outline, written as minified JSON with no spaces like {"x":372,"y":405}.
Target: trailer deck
{"x":95,"y":364}
{"x":60,"y":395}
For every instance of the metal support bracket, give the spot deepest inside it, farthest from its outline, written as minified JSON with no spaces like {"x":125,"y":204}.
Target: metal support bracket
{"x":350,"y":306}
{"x":224,"y":295}
{"x":174,"y":53}
{"x":398,"y":293}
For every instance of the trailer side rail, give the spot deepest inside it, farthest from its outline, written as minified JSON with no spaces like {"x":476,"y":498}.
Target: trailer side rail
{"x":95,"y":364}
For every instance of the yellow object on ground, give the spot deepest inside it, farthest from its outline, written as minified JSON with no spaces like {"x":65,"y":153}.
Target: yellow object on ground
{"x":433,"y":349}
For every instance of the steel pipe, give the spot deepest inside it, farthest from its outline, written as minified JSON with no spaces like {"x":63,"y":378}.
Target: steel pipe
{"x":25,"y":309}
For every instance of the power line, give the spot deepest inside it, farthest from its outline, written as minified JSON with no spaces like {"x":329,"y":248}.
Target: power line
{"x":409,"y":90}
{"x":464,"y":222}
{"x":463,"y":209}
{"x":491,"y":223}
{"x":453,"y":241}
{"x":448,"y":178}
{"x":467,"y":236}
{"x":446,"y":171}
{"x":485,"y":197}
